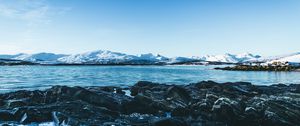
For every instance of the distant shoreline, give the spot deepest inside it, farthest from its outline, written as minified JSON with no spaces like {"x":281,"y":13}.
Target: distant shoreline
{"x":116,"y":64}
{"x":286,"y":68}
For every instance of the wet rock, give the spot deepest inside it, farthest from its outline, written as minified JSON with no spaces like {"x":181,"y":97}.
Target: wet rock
{"x":226,"y":110}
{"x":170,"y":122}
{"x":295,"y":88}
{"x":62,"y":93}
{"x":99,"y":100}
{"x":204,"y":103}
{"x":140,"y":102}
{"x":6,"y":116}
{"x":28,"y":115}
{"x":61,"y":119}
{"x":5,"y":124}
{"x":2,"y":103}
{"x":137,"y":119}
{"x":281,"y":112}
{"x":141,"y":87}
{"x":120,"y":91}
{"x":108,"y":89}
{"x":176,"y":92}
{"x":180,"y":111}
{"x":272,"y":118}
{"x":252,"y":116}
{"x":16,"y":103}
{"x":206,"y":84}
{"x":58,"y":118}
{"x":251,"y":112}
{"x":211,"y":98}
{"x":33,"y":117}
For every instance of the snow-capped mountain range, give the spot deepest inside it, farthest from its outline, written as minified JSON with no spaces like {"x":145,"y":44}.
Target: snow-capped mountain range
{"x":110,"y":57}
{"x":231,"y":58}
{"x":293,"y":58}
{"x":93,"y":57}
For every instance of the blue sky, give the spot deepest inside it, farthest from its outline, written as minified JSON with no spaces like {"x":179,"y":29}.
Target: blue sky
{"x":168,"y":27}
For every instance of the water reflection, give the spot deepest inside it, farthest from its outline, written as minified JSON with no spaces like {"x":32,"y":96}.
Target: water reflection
{"x":39,"y":77}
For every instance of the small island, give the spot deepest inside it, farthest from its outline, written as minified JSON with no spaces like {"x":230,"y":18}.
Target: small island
{"x":274,"y":66}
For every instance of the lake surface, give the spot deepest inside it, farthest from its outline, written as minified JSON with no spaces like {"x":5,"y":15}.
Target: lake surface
{"x":39,"y":77}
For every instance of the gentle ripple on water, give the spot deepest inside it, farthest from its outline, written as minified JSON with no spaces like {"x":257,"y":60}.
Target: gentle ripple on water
{"x":39,"y":77}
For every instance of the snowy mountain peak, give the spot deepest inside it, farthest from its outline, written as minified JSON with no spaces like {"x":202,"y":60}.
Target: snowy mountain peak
{"x":39,"y":57}
{"x":152,"y":57}
{"x":104,"y":54}
{"x":292,"y":58}
{"x":183,"y":59}
{"x":230,"y":58}
{"x":98,"y":56}
{"x":247,"y":55}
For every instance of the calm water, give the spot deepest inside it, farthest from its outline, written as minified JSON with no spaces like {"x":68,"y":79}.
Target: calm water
{"x":39,"y":77}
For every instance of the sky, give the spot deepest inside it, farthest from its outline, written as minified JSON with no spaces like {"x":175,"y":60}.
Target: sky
{"x":167,"y":27}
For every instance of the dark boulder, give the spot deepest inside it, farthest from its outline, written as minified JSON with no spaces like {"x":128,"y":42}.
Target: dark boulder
{"x":179,"y":93}
{"x":180,"y":112}
{"x":143,"y":104}
{"x":227,"y":110}
{"x":28,"y":115}
{"x":6,"y":116}
{"x":206,"y":84}
{"x":295,"y":88}
{"x":120,"y":91}
{"x":170,"y":122}
{"x":141,"y":86}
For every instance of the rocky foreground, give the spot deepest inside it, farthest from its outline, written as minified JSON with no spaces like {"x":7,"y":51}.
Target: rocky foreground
{"x":205,"y":103}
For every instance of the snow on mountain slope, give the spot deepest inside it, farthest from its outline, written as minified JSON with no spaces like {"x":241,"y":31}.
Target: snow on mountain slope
{"x":230,"y":58}
{"x":99,"y":56}
{"x":181,"y":59}
{"x":280,"y":58}
{"x":227,"y":58}
{"x":39,"y":57}
{"x":106,"y":57}
{"x":152,"y":57}
{"x":10,"y":56}
{"x":247,"y":56}
{"x":293,"y":58}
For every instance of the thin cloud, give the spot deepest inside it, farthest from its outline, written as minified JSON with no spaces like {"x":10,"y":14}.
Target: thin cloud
{"x":34,"y":15}
{"x":34,"y":12}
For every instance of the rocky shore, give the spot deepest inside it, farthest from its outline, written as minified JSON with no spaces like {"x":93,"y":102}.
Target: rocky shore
{"x":205,"y":103}
{"x":258,"y":68}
